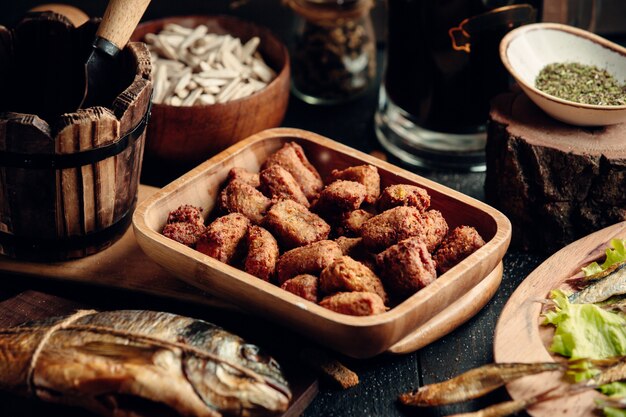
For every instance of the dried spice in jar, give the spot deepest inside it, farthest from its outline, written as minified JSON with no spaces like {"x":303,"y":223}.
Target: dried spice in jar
{"x":586,"y":84}
{"x":334,"y":55}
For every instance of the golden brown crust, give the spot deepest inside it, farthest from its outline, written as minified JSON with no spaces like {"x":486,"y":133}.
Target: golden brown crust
{"x":364,"y":174}
{"x":351,"y":222}
{"x":279,"y":184}
{"x":390,"y":227}
{"x":240,"y":197}
{"x":186,"y":214}
{"x":291,"y":157}
{"x":340,"y":196}
{"x":294,"y":225}
{"x":406,"y":267}
{"x":243,"y":175}
{"x":346,"y":274}
{"x":350,"y":245}
{"x":460,"y":243}
{"x":310,"y":259}
{"x":404,"y":195}
{"x":222,"y":238}
{"x":183,"y":232}
{"x":262,"y":253}
{"x":304,"y":286}
{"x":354,"y":303}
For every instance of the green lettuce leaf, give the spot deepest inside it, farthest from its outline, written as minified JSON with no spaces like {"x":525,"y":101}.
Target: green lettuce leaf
{"x":615,"y":254}
{"x":585,"y":330}
{"x":588,"y":331}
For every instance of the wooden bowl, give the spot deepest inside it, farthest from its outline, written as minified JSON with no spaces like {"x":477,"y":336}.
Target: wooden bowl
{"x":526,"y":50}
{"x":186,"y":136}
{"x":355,"y":336}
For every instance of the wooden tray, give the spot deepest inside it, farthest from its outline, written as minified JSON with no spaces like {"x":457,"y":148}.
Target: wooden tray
{"x":355,"y":336}
{"x":520,"y":338}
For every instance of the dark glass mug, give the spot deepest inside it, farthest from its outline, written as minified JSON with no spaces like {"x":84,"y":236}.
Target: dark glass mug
{"x":442,"y":69}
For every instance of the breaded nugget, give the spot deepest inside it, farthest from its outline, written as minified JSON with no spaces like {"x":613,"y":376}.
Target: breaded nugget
{"x":460,"y":243}
{"x":262,"y":253}
{"x":404,"y":195}
{"x":294,"y":225}
{"x":434,"y":229}
{"x":310,"y":259}
{"x":291,"y":157}
{"x":391,"y":226}
{"x":406,"y":267}
{"x":364,"y":174}
{"x":351,"y":222}
{"x":346,"y":274}
{"x":279,"y":184}
{"x":186,"y":214}
{"x":183,"y":232}
{"x":224,"y":237}
{"x":350,"y":245}
{"x":243,"y":175}
{"x":354,"y":303}
{"x":240,"y":197}
{"x":304,"y":285}
{"x":340,"y":196}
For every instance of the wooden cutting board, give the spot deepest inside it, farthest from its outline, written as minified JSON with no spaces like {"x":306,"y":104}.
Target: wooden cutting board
{"x":519,"y":337}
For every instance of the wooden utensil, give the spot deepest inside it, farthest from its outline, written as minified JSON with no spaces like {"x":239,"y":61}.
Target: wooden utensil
{"x":519,"y":336}
{"x":119,"y":22}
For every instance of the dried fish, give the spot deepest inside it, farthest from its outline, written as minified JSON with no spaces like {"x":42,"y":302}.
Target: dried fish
{"x":602,"y":289}
{"x":475,"y":383}
{"x":141,"y":363}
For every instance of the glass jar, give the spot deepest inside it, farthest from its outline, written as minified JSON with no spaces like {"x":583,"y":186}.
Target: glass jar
{"x":334,"y":53}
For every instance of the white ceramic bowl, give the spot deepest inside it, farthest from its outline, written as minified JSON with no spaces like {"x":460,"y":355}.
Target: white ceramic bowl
{"x":527,"y":49}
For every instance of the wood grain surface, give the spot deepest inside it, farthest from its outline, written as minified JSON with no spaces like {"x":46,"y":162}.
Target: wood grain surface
{"x":359,"y":337}
{"x":520,"y":338}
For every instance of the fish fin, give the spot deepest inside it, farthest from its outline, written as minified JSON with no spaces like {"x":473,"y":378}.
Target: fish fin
{"x":120,"y":352}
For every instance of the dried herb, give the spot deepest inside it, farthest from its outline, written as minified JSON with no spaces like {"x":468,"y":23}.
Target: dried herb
{"x":580,"y":83}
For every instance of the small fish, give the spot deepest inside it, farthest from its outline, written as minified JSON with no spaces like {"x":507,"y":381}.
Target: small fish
{"x":602,"y":289}
{"x":475,"y":383}
{"x":139,"y":364}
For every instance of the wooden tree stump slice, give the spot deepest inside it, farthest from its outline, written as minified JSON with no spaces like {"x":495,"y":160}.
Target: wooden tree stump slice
{"x":555,"y":182}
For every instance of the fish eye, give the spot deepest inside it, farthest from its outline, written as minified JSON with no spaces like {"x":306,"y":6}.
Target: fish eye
{"x":250,"y":352}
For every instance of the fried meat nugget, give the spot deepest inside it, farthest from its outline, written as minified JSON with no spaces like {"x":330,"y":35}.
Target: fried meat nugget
{"x":279,"y":184}
{"x":434,"y":229}
{"x":460,"y":243}
{"x":223,"y":238}
{"x":243,"y":175}
{"x":346,"y":274}
{"x":340,"y":196}
{"x":354,"y":303}
{"x":310,"y":259}
{"x":304,"y":285}
{"x":406,"y":267}
{"x":262,"y":253}
{"x":351,"y":222}
{"x":350,"y":245}
{"x":364,"y":174}
{"x":404,"y":195}
{"x":391,"y":226}
{"x":186,"y":214}
{"x":240,"y":197}
{"x":291,"y":157}
{"x":294,"y":225}
{"x":184,"y":232}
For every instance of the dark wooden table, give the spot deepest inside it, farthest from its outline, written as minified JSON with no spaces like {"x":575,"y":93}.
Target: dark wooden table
{"x":382,"y":378}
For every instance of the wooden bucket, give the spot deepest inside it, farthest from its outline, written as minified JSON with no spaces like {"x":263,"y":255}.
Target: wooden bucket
{"x":68,"y":178}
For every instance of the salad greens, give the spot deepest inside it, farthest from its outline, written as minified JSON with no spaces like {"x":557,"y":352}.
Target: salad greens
{"x":589,"y":331}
